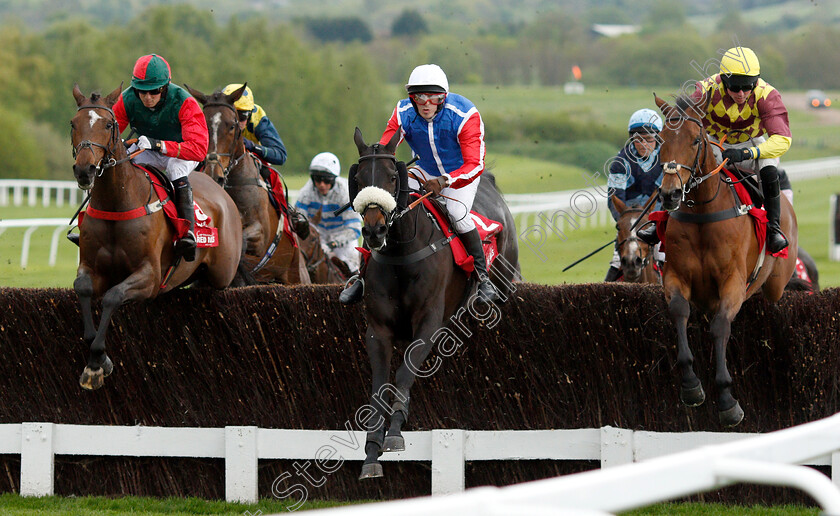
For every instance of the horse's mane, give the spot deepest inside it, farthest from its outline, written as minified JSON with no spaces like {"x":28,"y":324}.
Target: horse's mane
{"x":94,"y":97}
{"x":688,"y":106}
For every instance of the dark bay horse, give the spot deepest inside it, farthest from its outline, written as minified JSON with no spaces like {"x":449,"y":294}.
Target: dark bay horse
{"x":239,"y":173}
{"x":637,"y":263}
{"x":125,"y":260}
{"x":710,"y":264}
{"x":414,"y":292}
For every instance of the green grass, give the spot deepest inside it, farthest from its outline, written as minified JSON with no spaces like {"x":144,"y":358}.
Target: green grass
{"x":12,"y":504}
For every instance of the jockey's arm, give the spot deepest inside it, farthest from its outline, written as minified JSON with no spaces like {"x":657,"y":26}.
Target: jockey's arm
{"x":392,"y":127}
{"x":271,"y":147}
{"x":194,"y":136}
{"x":774,"y":118}
{"x":122,"y":116}
{"x":471,"y":140}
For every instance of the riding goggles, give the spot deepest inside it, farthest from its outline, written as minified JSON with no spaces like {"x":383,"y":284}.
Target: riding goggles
{"x":157,"y":91}
{"x":421,"y":99}
{"x":327,"y":180}
{"x":736,"y":88}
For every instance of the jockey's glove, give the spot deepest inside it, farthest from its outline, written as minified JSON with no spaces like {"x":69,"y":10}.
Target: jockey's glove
{"x":736,"y":155}
{"x":435,"y":185}
{"x":253,"y":147}
{"x":144,"y":142}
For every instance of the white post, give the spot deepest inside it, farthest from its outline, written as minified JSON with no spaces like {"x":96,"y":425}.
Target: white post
{"x":835,"y":468}
{"x":448,"y":461}
{"x":37,"y":465}
{"x":616,"y":446}
{"x":241,"y":464}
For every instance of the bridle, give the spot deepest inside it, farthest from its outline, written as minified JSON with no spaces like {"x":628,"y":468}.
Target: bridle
{"x":108,"y":151}
{"x":396,"y":214}
{"x":213,"y":157}
{"x":634,"y":238}
{"x":695,"y":172}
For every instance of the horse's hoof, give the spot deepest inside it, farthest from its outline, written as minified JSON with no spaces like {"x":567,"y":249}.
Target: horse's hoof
{"x":693,"y":396}
{"x":92,"y":379}
{"x":393,"y":443}
{"x":731,"y":417}
{"x":372,"y":470}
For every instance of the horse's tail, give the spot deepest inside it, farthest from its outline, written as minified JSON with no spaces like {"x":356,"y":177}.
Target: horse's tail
{"x":800,"y":285}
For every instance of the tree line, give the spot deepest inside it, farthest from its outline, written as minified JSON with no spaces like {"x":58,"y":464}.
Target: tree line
{"x":317,"y":81}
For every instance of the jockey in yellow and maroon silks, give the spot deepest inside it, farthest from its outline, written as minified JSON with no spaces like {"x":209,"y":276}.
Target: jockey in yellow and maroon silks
{"x":750,"y":113}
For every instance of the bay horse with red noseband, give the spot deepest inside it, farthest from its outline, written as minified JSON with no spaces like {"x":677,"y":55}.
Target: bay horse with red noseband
{"x":125,"y":259}
{"x":414,"y":291}
{"x":712,"y":249}
{"x":273,"y":252}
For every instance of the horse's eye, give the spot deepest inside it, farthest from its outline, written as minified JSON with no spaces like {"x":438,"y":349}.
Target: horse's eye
{"x":109,"y":125}
{"x":696,"y":141}
{"x":393,"y":179}
{"x":616,"y":227}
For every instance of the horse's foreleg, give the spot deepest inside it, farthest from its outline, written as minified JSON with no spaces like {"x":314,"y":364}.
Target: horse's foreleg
{"x":379,"y":351}
{"x":140,"y":285}
{"x":83,"y":285}
{"x":729,"y":410}
{"x":691,"y":391}
{"x":415,"y":355}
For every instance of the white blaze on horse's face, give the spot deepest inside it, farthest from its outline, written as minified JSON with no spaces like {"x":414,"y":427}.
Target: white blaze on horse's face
{"x":215,"y":122}
{"x":94,"y":117}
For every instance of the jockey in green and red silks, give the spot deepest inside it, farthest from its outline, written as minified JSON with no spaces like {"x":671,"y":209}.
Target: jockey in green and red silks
{"x":171,"y":128}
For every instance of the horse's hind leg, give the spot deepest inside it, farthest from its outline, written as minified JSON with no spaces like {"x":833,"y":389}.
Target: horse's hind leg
{"x":379,"y":353}
{"x":691,"y":391}
{"x":729,"y":410}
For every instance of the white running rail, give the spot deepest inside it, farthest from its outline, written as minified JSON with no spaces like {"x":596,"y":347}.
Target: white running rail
{"x":772,"y":459}
{"x":31,"y":225}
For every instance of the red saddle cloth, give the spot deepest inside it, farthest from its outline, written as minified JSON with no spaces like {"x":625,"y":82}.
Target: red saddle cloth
{"x":487,"y":231}
{"x":281,"y":204}
{"x":205,"y":234}
{"x":758,"y":214}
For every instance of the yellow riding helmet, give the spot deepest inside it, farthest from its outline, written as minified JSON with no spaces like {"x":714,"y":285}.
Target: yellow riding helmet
{"x":245,"y":102}
{"x":740,"y":61}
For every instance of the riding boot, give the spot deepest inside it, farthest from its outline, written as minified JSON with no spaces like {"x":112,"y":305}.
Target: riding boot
{"x":184,"y":204}
{"x":353,"y":292}
{"x":648,"y":234}
{"x":486,"y":290}
{"x":613,"y":274}
{"x":776,"y":240}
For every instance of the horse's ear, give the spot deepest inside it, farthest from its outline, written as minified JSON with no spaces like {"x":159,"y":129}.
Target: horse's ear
{"x":360,"y":142}
{"x":236,"y":94}
{"x":77,"y":94}
{"x":392,"y":145}
{"x":200,"y":97}
{"x":661,"y":104}
{"x":112,"y":97}
{"x":618,"y":203}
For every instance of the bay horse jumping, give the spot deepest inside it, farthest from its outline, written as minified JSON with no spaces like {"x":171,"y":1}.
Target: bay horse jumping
{"x":637,"y":263}
{"x":414,"y":291}
{"x":323,"y":267}
{"x":712,"y":249}
{"x":125,"y":259}
{"x":238,"y":172}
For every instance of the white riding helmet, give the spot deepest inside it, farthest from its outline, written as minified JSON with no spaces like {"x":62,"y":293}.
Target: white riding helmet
{"x":325,"y":162}
{"x":427,"y":78}
{"x":645,"y":120}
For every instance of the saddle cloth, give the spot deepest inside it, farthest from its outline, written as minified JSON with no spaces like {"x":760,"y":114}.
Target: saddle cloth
{"x":758,"y":214}
{"x":487,"y":231}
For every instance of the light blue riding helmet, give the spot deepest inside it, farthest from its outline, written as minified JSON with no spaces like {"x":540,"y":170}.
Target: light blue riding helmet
{"x":645,"y":120}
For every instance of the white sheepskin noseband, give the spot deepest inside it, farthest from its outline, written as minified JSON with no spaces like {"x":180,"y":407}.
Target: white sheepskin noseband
{"x":374,"y":195}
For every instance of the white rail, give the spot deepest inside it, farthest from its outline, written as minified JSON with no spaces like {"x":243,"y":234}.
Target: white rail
{"x":448,"y":451}
{"x":31,"y":225}
{"x":771,"y":459}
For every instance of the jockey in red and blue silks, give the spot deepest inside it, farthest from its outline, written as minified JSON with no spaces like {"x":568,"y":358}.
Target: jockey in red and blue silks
{"x":446,"y":133}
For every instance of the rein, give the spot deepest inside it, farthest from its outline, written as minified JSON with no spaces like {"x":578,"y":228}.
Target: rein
{"x":695,"y":174}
